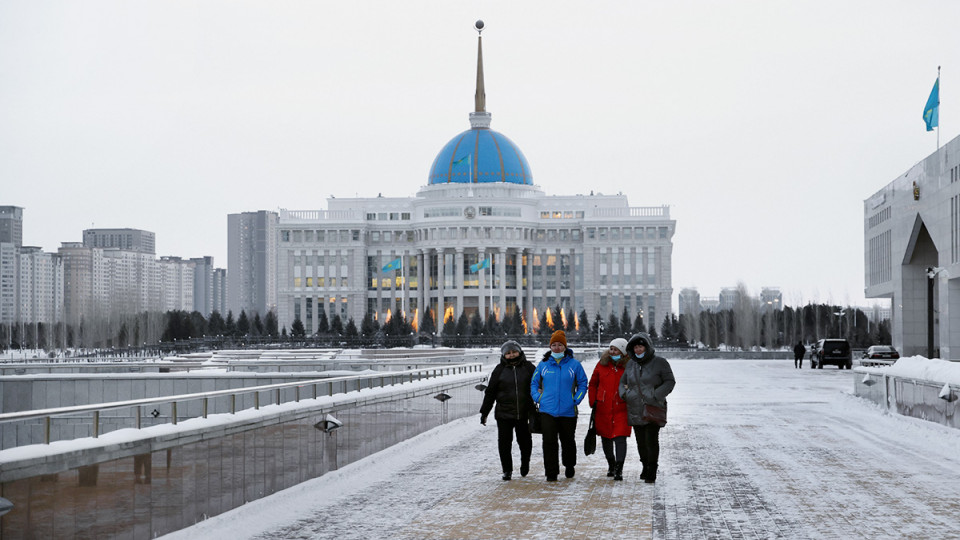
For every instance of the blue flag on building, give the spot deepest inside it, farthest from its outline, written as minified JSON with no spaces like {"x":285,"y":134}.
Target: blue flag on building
{"x":392,"y":265}
{"x":480,"y":265}
{"x":931,"y":112}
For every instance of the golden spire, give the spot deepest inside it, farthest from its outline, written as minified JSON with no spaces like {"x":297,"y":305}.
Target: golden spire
{"x":480,"y":98}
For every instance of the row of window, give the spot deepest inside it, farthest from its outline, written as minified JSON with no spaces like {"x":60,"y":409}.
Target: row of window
{"x":474,"y":233}
{"x":561,"y":214}
{"x":388,"y":216}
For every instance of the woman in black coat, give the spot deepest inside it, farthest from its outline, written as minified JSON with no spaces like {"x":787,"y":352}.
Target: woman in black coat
{"x":510,"y":388}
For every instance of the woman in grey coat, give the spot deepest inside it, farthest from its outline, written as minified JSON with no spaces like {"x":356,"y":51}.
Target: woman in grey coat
{"x":647,"y":378}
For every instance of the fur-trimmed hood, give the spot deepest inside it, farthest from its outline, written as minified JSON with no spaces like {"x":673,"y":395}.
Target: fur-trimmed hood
{"x":605,"y":359}
{"x":645,"y":338}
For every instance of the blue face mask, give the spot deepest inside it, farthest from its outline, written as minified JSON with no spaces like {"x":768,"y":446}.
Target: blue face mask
{"x":617,"y":357}
{"x":638,"y":356}
{"x":557,"y":355}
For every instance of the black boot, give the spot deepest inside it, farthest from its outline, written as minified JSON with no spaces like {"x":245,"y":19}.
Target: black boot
{"x":611,"y":468}
{"x":524,"y":467}
{"x":618,"y":472}
{"x":651,"y":475}
{"x":643,"y":472}
{"x":507,"y":475}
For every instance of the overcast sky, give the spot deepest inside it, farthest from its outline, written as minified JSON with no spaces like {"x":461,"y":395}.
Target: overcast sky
{"x":763,"y":124}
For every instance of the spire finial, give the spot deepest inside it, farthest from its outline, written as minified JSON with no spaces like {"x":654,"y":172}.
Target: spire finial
{"x":479,"y":118}
{"x":480,"y":99}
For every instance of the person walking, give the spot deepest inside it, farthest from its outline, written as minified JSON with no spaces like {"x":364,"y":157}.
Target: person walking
{"x":610,"y":410}
{"x":798,"y":352}
{"x":558,"y":385}
{"x":647,"y":379}
{"x":509,"y":389}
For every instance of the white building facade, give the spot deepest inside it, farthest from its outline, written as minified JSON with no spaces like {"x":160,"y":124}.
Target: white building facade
{"x":479,"y":237}
{"x":912,"y":254}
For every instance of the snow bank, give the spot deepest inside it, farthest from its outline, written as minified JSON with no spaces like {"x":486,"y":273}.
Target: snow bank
{"x":918,"y":367}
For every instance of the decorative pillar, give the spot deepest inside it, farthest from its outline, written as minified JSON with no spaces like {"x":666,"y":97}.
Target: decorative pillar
{"x":458,"y":280}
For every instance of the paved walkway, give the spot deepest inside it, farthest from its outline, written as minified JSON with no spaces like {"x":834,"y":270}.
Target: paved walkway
{"x":754,"y":449}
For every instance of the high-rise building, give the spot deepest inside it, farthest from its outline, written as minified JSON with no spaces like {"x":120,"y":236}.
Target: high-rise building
{"x":219,"y":301}
{"x":11,"y":225}
{"x":252,"y":262}
{"x":177,"y":286}
{"x":771,"y":298}
{"x":122,"y":239}
{"x":689,"y":302}
{"x":40,"y":287}
{"x":479,"y":237}
{"x":8,"y":282}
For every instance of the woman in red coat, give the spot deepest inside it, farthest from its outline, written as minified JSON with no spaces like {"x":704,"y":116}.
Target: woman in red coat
{"x":611,"y":411}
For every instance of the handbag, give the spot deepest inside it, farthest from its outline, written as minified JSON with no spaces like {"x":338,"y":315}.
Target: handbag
{"x":654,"y":415}
{"x":534,"y":420}
{"x":590,"y":441}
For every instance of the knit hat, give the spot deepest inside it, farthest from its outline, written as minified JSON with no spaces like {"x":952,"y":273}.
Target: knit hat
{"x":559,"y":336}
{"x":620,"y":344}
{"x":510,"y":346}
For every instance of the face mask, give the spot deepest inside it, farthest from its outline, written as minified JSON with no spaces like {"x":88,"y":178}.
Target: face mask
{"x":638,"y":356}
{"x":557,"y":355}
{"x":617,"y":357}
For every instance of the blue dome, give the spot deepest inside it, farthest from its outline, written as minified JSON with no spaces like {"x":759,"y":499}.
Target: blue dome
{"x":492,"y":156}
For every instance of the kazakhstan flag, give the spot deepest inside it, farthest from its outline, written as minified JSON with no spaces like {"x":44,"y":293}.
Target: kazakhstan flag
{"x":461,"y":160}
{"x":931,"y":112}
{"x":480,"y":265}
{"x":392,"y":265}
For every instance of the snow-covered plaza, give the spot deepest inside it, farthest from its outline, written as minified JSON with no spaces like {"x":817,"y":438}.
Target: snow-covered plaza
{"x":753,"y":449}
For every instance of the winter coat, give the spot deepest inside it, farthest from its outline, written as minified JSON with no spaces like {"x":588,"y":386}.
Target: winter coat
{"x":611,"y":411}
{"x":645,"y":380}
{"x":509,"y":387}
{"x":559,"y":386}
{"x":799,"y":350}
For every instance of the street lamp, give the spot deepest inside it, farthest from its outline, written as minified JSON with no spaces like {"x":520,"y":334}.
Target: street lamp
{"x":932,"y":272}
{"x":839,"y":314}
{"x":599,"y":329}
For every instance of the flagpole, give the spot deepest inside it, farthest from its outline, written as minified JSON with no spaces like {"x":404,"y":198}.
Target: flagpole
{"x":938,"y":112}
{"x":403,"y":290}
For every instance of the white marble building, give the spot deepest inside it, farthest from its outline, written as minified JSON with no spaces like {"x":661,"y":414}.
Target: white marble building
{"x":580,"y":252}
{"x":912,"y":225}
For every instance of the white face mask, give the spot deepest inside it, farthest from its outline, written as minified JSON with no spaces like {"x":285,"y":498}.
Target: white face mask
{"x":557,"y":355}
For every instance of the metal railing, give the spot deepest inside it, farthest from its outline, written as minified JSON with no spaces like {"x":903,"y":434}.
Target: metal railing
{"x":313,"y":387}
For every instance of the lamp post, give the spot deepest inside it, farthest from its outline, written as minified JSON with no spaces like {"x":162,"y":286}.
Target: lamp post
{"x":839,"y":314}
{"x":599,"y":329}
{"x":932,"y":272}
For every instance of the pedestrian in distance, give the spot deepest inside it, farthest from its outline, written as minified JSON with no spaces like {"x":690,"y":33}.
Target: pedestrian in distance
{"x":647,"y":379}
{"x":558,"y":385}
{"x":610,"y":410}
{"x":798,"y":353}
{"x":509,"y":388}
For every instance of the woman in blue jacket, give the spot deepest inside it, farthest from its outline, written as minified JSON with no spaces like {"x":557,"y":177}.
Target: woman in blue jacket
{"x":558,"y":386}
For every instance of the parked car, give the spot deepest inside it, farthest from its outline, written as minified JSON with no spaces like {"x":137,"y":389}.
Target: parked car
{"x":881,"y":352}
{"x":835,"y":352}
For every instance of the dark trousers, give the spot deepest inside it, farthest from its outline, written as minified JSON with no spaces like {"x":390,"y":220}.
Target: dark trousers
{"x":564,"y":430}
{"x":505,"y":429}
{"x":648,"y":444}
{"x":798,"y":361}
{"x":615,"y":449}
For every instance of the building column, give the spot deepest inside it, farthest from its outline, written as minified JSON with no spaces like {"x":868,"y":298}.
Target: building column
{"x":483,"y":285}
{"x":518,"y":266}
{"x":502,"y":275}
{"x":441,"y":308}
{"x":422,"y":294}
{"x":458,"y":280}
{"x":530,"y":316}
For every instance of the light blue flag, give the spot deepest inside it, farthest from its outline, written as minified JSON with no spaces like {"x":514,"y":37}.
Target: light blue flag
{"x":480,"y":265}
{"x":392,"y":265}
{"x":461,"y":160}
{"x":931,"y":112}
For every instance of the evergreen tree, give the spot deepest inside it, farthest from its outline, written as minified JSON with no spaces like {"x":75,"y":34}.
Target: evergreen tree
{"x":351,"y":330}
{"x":544,"y":328}
{"x":427,"y":324}
{"x":506,"y":325}
{"x":584,"y":321}
{"x":270,"y":324}
{"x":258,"y":325}
{"x":597,"y":321}
{"x":449,"y":329}
{"x":493,"y":327}
{"x":323,"y":325}
{"x":625,"y":325}
{"x":613,"y":325}
{"x":297,"y":330}
{"x":653,"y":332}
{"x":369,"y":325}
{"x":463,"y":325}
{"x":518,"y":322}
{"x":198,"y":324}
{"x":243,"y":324}
{"x":638,"y":325}
{"x":336,"y":325}
{"x":476,"y":324}
{"x":557,"y":319}
{"x":571,"y":323}
{"x":215,"y":325}
{"x":283,"y":333}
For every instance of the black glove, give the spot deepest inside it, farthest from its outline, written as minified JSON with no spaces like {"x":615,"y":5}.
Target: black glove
{"x":483,"y":419}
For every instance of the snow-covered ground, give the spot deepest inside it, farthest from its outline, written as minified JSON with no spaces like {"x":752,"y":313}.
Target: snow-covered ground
{"x":754,"y":449}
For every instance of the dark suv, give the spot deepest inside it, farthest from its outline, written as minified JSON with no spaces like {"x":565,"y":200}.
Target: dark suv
{"x":833,"y":351}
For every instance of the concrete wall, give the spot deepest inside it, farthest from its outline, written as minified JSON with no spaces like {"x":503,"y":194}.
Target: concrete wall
{"x":161,"y":483}
{"x":909,"y":397}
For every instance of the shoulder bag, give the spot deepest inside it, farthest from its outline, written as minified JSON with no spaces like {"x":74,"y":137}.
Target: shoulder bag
{"x":654,"y":415}
{"x":590,"y":441}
